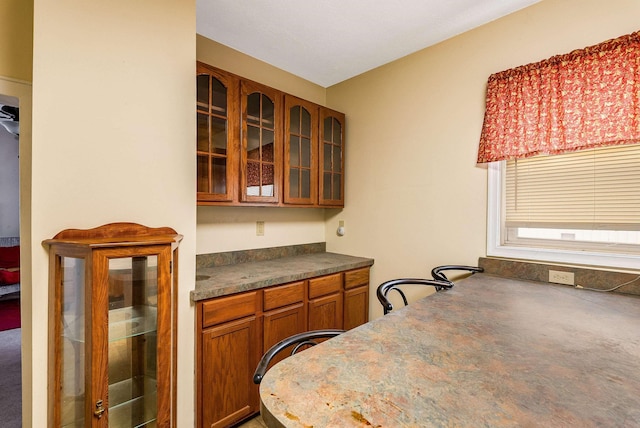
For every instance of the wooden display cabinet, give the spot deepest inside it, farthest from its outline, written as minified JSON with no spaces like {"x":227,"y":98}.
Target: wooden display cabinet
{"x":112,"y":334}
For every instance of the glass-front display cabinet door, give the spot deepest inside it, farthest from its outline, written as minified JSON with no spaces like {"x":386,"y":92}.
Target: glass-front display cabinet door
{"x":261,"y":155}
{"x":217,"y":134}
{"x":112,"y":335}
{"x":331,"y":158}
{"x":300,"y":151}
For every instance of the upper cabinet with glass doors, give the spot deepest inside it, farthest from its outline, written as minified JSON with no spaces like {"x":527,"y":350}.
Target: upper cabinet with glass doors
{"x":301,"y":151}
{"x":261,"y":154}
{"x":331,"y":158}
{"x":257,"y":146}
{"x":217,"y":134}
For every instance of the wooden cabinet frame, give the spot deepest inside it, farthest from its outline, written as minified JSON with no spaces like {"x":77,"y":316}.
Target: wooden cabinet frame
{"x":241,"y":170}
{"x":331,"y":162}
{"x":144,"y":324}
{"x":312,"y":109}
{"x":275,"y":312}
{"x":208,"y":157}
{"x":267,"y":166}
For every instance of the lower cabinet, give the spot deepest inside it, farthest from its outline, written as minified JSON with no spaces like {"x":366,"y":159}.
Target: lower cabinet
{"x":356,"y":298}
{"x":325,"y":302}
{"x":284,"y":314}
{"x":325,"y":312}
{"x":229,"y":349}
{"x":230,"y":355}
{"x":233,"y":332}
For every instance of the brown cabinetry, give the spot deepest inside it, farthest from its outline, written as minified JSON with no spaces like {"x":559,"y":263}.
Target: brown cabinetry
{"x":229,"y":354}
{"x":260,"y":146}
{"x":331,"y":158}
{"x":356,"y":298}
{"x":230,"y":349}
{"x":284,"y":313}
{"x":325,"y":302}
{"x":112,"y":331}
{"x":234,"y":331}
{"x":261,"y":150}
{"x":217,"y":135}
{"x":301,"y":151}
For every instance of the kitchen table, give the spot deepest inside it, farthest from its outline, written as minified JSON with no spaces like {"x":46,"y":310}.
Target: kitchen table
{"x":489,"y":352}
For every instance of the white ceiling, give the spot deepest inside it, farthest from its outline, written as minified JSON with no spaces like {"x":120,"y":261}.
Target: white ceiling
{"x":328,"y":41}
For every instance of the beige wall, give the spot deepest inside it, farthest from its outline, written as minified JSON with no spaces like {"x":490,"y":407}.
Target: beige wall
{"x":16,"y":38}
{"x":113,"y":133}
{"x":415,"y":198}
{"x":228,"y":228}
{"x":113,"y":140}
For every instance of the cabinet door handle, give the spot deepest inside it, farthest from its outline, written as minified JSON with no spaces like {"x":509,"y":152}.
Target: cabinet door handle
{"x":99,"y":409}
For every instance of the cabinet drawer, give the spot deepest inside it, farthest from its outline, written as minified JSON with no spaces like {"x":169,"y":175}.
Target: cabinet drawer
{"x":355,"y":278}
{"x":228,"y":308}
{"x":283,"y":295}
{"x":325,"y":285}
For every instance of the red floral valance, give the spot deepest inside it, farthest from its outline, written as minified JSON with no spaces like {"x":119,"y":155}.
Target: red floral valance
{"x":587,"y":98}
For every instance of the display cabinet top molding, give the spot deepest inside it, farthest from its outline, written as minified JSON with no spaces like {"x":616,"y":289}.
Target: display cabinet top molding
{"x":122,"y":234}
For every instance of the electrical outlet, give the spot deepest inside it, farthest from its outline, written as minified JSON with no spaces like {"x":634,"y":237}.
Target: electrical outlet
{"x":259,"y":228}
{"x":560,"y":277}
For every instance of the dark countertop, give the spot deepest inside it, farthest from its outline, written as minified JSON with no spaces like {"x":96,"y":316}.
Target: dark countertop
{"x":235,"y":278}
{"x":489,"y":352}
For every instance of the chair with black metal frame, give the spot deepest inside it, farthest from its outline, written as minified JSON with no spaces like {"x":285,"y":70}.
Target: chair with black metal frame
{"x":298,"y":341}
{"x":394,"y":285}
{"x":437,"y":274}
{"x":439,"y":282}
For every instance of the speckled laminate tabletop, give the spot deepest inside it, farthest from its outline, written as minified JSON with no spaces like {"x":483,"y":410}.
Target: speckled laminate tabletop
{"x":235,"y":278}
{"x":490,"y":352}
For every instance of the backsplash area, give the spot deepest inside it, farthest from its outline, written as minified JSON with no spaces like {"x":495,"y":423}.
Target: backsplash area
{"x":257,"y":255}
{"x":584,"y":277}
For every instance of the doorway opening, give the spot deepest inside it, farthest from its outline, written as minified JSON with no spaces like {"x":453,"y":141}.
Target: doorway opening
{"x":10,"y":322}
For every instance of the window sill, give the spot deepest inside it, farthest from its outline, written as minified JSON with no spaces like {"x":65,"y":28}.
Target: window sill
{"x":586,"y":258}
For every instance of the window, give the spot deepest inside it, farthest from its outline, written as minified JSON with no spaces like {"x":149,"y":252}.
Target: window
{"x":581,"y":207}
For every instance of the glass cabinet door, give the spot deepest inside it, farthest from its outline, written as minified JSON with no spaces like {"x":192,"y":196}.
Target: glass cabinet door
{"x":71,"y":330}
{"x":331,"y":158}
{"x":300,"y":146}
{"x":133,"y":340}
{"x":217,"y":128}
{"x":261,"y":142}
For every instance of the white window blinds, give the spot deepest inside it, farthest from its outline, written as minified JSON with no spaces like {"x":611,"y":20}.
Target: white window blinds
{"x":592,"y":189}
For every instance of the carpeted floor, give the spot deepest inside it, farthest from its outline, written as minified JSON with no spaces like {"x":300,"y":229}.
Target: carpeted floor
{"x":11,"y":379}
{"x":9,"y":314}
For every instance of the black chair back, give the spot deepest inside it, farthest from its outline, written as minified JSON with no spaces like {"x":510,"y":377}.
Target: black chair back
{"x":394,"y":285}
{"x":308,"y":338}
{"x":439,"y":282}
